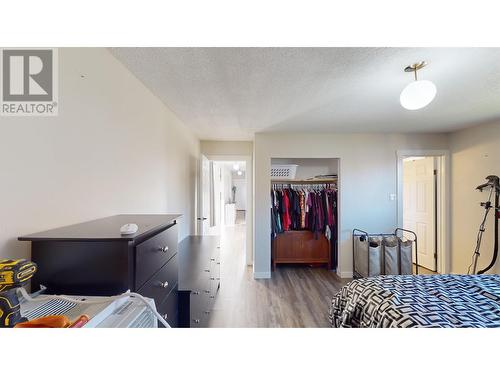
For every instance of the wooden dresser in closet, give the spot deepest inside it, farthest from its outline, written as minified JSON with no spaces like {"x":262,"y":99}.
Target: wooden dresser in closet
{"x":94,"y":259}
{"x":301,"y":247}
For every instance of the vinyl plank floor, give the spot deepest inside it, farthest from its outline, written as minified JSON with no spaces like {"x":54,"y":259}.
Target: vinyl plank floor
{"x":295,"y":296}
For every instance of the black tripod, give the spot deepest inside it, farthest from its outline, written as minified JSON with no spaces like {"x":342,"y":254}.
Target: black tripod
{"x":494,"y":185}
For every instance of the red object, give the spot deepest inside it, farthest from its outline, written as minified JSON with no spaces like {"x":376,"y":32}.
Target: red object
{"x":80,"y":322}
{"x":286,"y":215}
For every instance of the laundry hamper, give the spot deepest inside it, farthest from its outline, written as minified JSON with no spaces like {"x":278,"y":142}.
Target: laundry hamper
{"x":383,"y":254}
{"x":391,"y":255}
{"x":368,"y":256}
{"x":406,"y":252}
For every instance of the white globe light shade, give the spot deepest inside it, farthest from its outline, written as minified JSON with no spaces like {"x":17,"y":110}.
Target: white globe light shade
{"x":417,"y":95}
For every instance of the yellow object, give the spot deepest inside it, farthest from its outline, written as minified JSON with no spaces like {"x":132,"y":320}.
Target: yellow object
{"x":15,"y":272}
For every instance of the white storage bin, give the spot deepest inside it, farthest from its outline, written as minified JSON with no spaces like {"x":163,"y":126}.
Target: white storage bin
{"x":283,"y":171}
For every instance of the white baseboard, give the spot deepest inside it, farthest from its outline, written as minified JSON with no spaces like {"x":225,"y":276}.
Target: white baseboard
{"x":345,"y":275}
{"x":262,"y":275}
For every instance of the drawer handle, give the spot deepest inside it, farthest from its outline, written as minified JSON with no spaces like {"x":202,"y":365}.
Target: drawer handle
{"x":207,"y":270}
{"x":207,"y":291}
{"x":196,"y":293}
{"x":197,"y":321}
{"x":212,"y":278}
{"x":164,"y":284}
{"x":218,"y":263}
{"x":207,"y":312}
{"x":163,"y":249}
{"x":212,"y":259}
{"x":212,"y":296}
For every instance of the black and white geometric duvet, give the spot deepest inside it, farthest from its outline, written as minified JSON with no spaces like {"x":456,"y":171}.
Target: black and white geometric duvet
{"x":418,"y":301}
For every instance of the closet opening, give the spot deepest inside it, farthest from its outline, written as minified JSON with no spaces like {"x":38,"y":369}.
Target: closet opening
{"x":304,"y":212}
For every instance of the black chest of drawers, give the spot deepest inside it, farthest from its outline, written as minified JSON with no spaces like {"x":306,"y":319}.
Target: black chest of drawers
{"x":93,"y":259}
{"x":199,"y":279}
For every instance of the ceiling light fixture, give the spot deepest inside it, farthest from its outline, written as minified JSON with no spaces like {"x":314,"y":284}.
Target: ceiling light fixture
{"x":417,"y":94}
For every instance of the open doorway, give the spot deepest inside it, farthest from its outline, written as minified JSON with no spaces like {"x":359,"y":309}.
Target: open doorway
{"x":420,"y":207}
{"x":230,"y":194}
{"x":224,"y":204}
{"x":423,"y":204}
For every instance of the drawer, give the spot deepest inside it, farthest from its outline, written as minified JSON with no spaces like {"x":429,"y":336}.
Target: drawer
{"x":162,"y":282}
{"x":199,"y":309}
{"x":169,"y":308}
{"x":153,"y":253}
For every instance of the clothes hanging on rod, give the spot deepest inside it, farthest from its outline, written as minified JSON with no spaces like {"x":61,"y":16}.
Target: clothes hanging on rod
{"x":304,"y":207}
{"x":307,"y":206}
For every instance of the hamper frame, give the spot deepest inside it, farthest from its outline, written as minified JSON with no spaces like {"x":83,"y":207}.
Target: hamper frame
{"x":358,"y":233}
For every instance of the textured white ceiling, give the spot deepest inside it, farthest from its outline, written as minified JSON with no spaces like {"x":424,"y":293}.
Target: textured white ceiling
{"x":231,"y":93}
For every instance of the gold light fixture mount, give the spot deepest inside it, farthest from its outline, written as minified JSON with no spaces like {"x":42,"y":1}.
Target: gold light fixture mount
{"x":415,"y":67}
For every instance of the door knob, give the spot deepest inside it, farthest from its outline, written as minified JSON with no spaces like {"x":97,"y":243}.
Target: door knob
{"x":164,"y":284}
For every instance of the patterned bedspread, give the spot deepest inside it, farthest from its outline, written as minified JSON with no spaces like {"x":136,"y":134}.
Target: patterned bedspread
{"x":418,"y":301}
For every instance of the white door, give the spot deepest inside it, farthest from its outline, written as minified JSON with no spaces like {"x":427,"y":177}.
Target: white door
{"x":204,"y":196}
{"x":419,"y":207}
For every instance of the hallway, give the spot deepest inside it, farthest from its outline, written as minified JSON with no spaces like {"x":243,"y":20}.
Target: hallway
{"x":294,"y":297}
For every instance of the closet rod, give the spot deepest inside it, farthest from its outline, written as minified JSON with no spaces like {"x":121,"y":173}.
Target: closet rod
{"x":312,"y":182}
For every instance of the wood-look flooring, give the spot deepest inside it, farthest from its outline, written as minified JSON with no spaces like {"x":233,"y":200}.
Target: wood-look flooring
{"x":295,"y":296}
{"x":424,"y":271}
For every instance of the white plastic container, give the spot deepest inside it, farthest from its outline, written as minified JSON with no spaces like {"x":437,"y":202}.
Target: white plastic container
{"x":283,"y":171}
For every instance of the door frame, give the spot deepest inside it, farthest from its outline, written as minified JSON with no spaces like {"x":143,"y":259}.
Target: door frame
{"x":443,"y":204}
{"x":249,"y":212}
{"x":199,"y":196}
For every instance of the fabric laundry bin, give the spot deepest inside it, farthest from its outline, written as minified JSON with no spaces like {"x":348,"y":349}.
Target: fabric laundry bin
{"x":368,"y":256}
{"x":406,"y":254}
{"x":391,"y":255}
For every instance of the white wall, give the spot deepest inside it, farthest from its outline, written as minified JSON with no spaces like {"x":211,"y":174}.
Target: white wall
{"x":241,"y":193}
{"x":367,"y":178}
{"x":114,"y":148}
{"x":475,"y":155}
{"x":226,"y":148}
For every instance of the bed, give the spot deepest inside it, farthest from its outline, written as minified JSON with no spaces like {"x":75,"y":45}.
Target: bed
{"x":418,"y":301}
